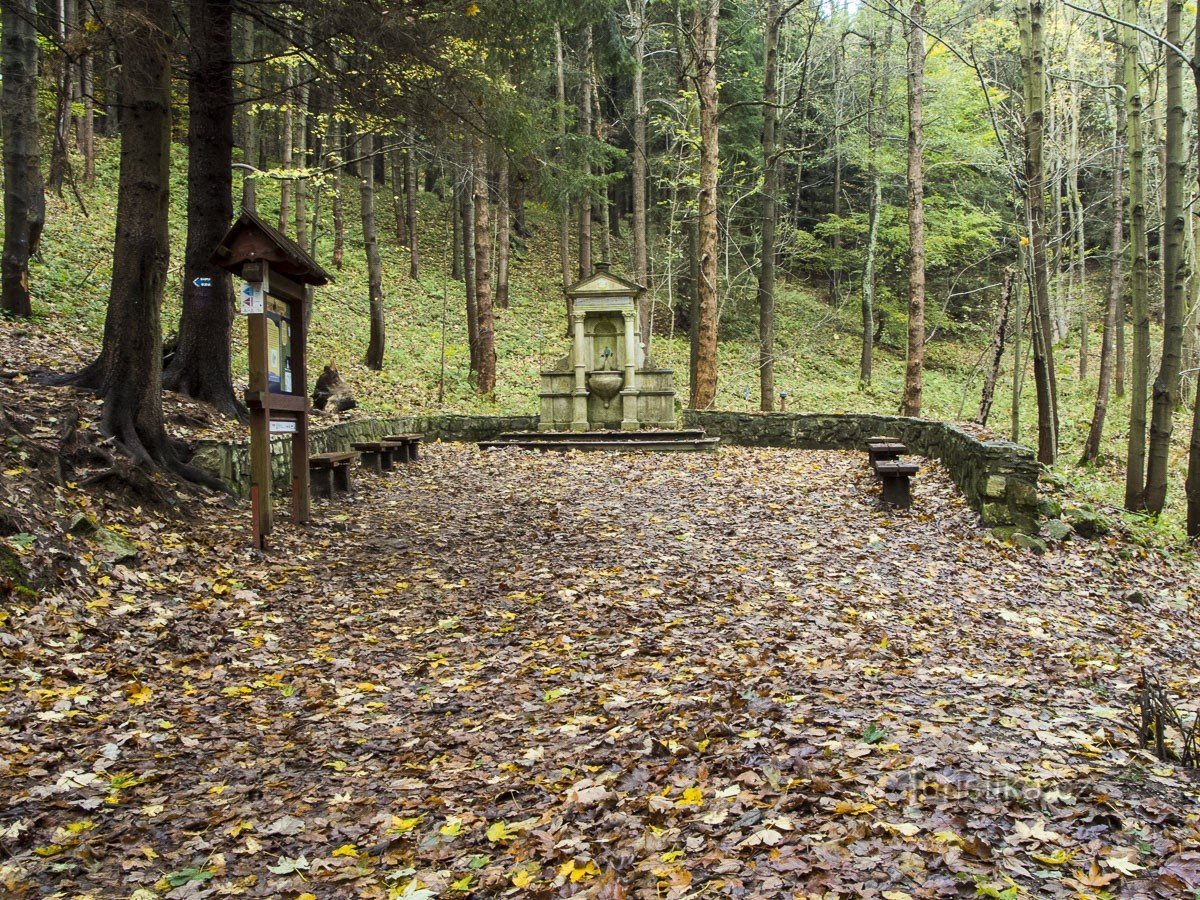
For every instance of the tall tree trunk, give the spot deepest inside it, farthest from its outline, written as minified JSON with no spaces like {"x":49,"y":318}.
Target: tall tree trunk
{"x":399,"y":209}
{"x":769,"y":214}
{"x":1192,"y":485}
{"x":641,"y":258}
{"x":600,"y":196}
{"x":86,"y":132}
{"x":486,"y":382}
{"x":286,"y":137}
{"x":59,"y":160}
{"x":200,"y":366}
{"x":704,"y":387}
{"x":337,"y":142}
{"x":585,"y":129}
{"x":564,"y":209}
{"x":504,"y":218}
{"x":1175,"y":274}
{"x":914,"y":367}
{"x":300,"y":121}
{"x":366,"y":176}
{"x":24,"y":202}
{"x":128,"y":372}
{"x":249,"y":136}
{"x":989,"y":381}
{"x":1033,"y":64}
{"x":1135,"y":466}
{"x":465,"y":188}
{"x":410,"y":206}
{"x":877,"y":102}
{"x":1114,"y":309}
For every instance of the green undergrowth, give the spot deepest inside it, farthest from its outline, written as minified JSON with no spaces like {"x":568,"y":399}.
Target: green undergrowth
{"x":427,"y":354}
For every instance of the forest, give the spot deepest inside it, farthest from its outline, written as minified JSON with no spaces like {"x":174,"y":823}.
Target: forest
{"x":1016,"y":178}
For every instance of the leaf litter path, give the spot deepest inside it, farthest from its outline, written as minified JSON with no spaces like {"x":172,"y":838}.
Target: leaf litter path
{"x":607,"y":676}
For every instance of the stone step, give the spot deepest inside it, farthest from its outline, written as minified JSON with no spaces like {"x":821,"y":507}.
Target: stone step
{"x":610,"y":436}
{"x":630,"y":441}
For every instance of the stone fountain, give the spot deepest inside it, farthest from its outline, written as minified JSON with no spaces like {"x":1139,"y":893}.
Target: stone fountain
{"x":607,"y":364}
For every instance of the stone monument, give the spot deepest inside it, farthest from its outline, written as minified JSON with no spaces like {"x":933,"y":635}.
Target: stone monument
{"x":607,"y":381}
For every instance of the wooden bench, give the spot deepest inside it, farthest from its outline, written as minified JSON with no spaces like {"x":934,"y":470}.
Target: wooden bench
{"x":880,"y":448}
{"x":329,"y":473}
{"x":376,"y":455}
{"x":405,"y":447}
{"x":895,"y":475}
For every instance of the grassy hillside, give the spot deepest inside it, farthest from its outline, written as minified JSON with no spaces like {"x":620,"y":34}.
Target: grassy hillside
{"x":818,"y":343}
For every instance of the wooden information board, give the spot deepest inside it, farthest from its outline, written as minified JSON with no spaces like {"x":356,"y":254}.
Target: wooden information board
{"x":275,"y":298}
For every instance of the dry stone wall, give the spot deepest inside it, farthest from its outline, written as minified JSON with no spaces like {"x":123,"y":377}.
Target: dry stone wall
{"x":998,"y":478}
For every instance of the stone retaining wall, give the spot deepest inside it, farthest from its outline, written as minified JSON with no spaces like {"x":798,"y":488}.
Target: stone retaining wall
{"x":230,"y":460}
{"x":998,"y":478}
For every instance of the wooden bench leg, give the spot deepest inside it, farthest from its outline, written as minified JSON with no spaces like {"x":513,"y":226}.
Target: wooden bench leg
{"x":414,"y":451}
{"x":896,"y":491}
{"x":371,"y":460}
{"x":403,"y":453}
{"x":341,"y":478}
{"x":320,"y":483}
{"x":385,"y":460}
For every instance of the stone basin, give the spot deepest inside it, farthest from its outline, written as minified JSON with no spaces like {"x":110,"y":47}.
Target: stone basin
{"x":605,"y":384}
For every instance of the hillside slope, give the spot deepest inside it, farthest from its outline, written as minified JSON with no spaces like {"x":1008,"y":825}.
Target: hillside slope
{"x":817,"y":343}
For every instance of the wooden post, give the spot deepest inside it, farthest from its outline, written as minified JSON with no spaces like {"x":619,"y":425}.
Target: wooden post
{"x":260,"y":419}
{"x":300,"y":497}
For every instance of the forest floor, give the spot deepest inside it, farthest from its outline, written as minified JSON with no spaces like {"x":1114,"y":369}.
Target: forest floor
{"x":594,"y":675}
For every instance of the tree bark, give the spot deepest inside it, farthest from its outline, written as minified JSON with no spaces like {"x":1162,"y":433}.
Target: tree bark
{"x":410,"y":206}
{"x":285,"y":153}
{"x":704,"y":387}
{"x":914,"y":367}
{"x":366,"y":176}
{"x":465,"y":189}
{"x":641,"y":259}
{"x":585,"y":129}
{"x":1135,"y":466}
{"x":989,"y":381}
{"x":877,"y":102}
{"x":200,"y":367}
{"x":769,"y":214}
{"x":300,"y":157}
{"x":564,"y":211}
{"x":1175,"y":274}
{"x":249,"y":136}
{"x":24,"y":200}
{"x":1113,"y":310}
{"x":337,"y":141}
{"x":486,"y":382}
{"x":1033,"y":66}
{"x":399,"y":209}
{"x":128,"y":372}
{"x":504,"y":219}
{"x":1192,"y":485}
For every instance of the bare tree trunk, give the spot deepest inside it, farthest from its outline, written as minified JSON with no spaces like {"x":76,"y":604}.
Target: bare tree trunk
{"x":913,"y":372}
{"x":399,"y":209}
{"x":600,"y":197}
{"x":486,"y":382}
{"x":24,"y":202}
{"x":1135,"y":466}
{"x":993,"y":372}
{"x":504,"y":218}
{"x":337,"y":141}
{"x":766,"y":263}
{"x":1113,"y":310}
{"x":466,"y":205}
{"x":704,"y":388}
{"x":250,"y":80}
{"x":585,"y":128}
{"x":366,"y":175}
{"x":877,"y":102}
{"x":641,"y":262}
{"x":1033,"y":64}
{"x":410,"y":206}
{"x":86,"y":133}
{"x":300,"y":119}
{"x":200,"y":366}
{"x":564,"y":212}
{"x":286,"y":137}
{"x":1192,"y":486}
{"x":1175,"y":274}
{"x":59,"y":160}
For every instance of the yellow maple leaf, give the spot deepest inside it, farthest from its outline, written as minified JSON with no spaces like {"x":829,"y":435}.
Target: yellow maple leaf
{"x":499,"y":831}
{"x":522,"y":878}
{"x":403,"y":826}
{"x":471,"y":10}
{"x":139,"y":694}
{"x":693,"y":796}
{"x":346,"y":850}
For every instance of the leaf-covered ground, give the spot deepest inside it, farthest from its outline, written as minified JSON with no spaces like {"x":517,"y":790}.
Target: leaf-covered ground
{"x":611,"y":676}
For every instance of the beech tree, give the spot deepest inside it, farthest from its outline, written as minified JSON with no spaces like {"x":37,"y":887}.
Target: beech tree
{"x":910,"y":405}
{"x":24,"y":202}
{"x":366,"y":174}
{"x":704,"y":385}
